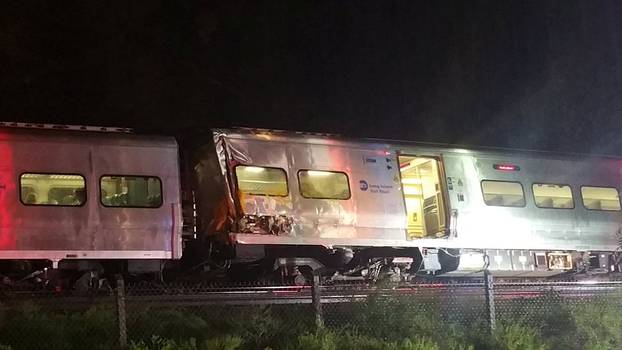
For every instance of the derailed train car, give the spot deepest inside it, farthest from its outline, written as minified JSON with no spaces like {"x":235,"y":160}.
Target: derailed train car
{"x":367,"y":206}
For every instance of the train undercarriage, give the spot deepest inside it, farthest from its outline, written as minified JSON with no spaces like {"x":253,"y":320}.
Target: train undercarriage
{"x":407,"y":264}
{"x":297,"y":265}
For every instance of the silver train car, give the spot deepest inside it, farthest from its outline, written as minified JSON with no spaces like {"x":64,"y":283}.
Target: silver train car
{"x":516,"y":213}
{"x":87,"y":197}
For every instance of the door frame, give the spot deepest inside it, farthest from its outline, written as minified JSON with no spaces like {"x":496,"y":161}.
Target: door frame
{"x":442,"y":183}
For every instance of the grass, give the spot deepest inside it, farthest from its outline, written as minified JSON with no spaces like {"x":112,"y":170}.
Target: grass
{"x":159,"y":343}
{"x":412,"y":323}
{"x":29,"y":327}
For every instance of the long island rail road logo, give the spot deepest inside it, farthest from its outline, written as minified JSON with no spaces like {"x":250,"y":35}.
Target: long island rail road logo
{"x":363,"y":185}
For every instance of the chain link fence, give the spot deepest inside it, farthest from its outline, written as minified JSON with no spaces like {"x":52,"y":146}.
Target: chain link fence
{"x":463,"y":314}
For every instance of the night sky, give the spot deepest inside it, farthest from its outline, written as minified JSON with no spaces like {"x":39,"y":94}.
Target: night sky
{"x":530,"y":74}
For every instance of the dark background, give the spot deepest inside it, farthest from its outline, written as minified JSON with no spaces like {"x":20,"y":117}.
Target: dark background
{"x":530,"y":74}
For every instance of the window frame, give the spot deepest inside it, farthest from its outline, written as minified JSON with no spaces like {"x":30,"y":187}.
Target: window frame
{"x":326,"y":171}
{"x":101,"y":199}
{"x":19,"y":182}
{"x":503,"y":206}
{"x":600,"y":210}
{"x":533,"y":194}
{"x":237,"y":183}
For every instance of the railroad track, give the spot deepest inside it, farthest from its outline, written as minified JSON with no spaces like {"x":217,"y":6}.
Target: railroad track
{"x":184,"y":296}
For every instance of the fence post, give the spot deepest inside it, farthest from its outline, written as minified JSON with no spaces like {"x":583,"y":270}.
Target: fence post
{"x":121,"y":315}
{"x":316,"y":299}
{"x":490,"y":299}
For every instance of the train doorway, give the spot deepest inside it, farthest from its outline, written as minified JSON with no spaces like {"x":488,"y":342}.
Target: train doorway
{"x":423,"y":196}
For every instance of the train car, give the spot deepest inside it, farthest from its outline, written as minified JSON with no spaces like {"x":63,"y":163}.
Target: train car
{"x":87,"y":198}
{"x":312,"y":200}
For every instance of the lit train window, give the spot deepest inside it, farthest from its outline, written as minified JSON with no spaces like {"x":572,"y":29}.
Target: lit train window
{"x":553,"y":196}
{"x":503,"y":193}
{"x":52,"y":189}
{"x":600,"y":198}
{"x":323,"y":184}
{"x":262,"y":181}
{"x":127,"y":191}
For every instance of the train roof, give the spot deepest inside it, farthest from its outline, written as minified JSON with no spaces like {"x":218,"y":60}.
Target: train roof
{"x":36,"y":132}
{"x":57,"y":133}
{"x":335,"y":139}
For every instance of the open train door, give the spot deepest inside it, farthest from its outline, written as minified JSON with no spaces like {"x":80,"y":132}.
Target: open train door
{"x":423,"y":196}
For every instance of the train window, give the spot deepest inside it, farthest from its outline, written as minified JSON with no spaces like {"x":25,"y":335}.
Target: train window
{"x":553,"y":196}
{"x":323,"y":184}
{"x":262,"y":181}
{"x":600,"y":198}
{"x":503,"y":193}
{"x":128,"y":191}
{"x":52,"y":189}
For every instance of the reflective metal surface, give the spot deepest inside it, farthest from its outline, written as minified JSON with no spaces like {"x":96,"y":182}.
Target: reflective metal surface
{"x":375,"y":215}
{"x":90,"y":230}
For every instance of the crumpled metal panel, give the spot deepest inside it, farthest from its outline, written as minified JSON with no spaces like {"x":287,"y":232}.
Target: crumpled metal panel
{"x":259,"y":214}
{"x":214,"y":200}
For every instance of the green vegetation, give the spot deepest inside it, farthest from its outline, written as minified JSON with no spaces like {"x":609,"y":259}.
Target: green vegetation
{"x":414,"y":323}
{"x":329,"y":340}
{"x":217,"y":343}
{"x":29,"y":327}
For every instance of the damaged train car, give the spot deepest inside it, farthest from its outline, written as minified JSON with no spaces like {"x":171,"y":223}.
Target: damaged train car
{"x":362,"y":208}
